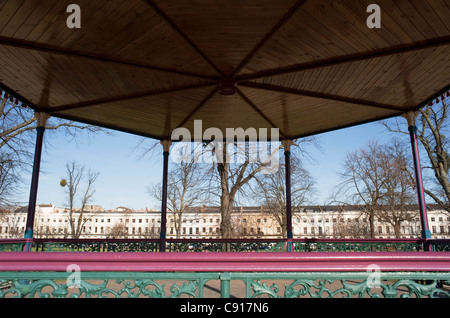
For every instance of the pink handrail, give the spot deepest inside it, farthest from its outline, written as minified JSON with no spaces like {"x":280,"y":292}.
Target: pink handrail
{"x":226,"y":262}
{"x":214,"y":240}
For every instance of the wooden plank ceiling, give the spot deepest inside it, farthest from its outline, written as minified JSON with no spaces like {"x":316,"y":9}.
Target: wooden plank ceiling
{"x":148,"y":67}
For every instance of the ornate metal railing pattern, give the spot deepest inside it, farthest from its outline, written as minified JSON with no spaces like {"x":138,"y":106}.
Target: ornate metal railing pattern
{"x":175,"y":285}
{"x":103,"y":285}
{"x":274,"y":275}
{"x":355,"y":246}
{"x":345,"y":285}
{"x":225,"y":245}
{"x":221,"y":245}
{"x":97,"y":246}
{"x":13,"y":246}
{"x":441,"y":245}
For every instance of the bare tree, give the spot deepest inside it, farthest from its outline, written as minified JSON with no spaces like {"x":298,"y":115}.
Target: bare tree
{"x":232,"y":178}
{"x":232,"y":167}
{"x":399,"y":195}
{"x":8,"y":178}
{"x":184,"y":189}
{"x":362,"y":181}
{"x":357,"y":229}
{"x":376,"y":178}
{"x":272,"y":191}
{"x":235,"y":177}
{"x":17,"y":138}
{"x":73,"y":184}
{"x":432,"y":132}
{"x":119,"y":230}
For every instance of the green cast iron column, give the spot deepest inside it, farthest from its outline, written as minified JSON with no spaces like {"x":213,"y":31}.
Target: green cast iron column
{"x":40,"y":128}
{"x":287,"y":158}
{"x":411,"y":119}
{"x":166,"y":146}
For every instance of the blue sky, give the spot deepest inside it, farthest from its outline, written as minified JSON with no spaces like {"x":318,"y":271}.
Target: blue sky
{"x":125,"y":176}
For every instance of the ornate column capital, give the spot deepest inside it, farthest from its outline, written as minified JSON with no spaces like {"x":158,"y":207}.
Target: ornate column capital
{"x":41,"y":119}
{"x":287,"y":144}
{"x":411,"y":117}
{"x":166,"y":144}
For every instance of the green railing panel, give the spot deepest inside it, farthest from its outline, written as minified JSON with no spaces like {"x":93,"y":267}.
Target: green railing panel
{"x":86,"y":245}
{"x":105,"y":246}
{"x":103,"y":285}
{"x":11,"y":247}
{"x":230,"y":284}
{"x":356,"y":247}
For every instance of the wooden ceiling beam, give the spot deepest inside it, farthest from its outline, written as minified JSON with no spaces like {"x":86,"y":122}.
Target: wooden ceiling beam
{"x":266,"y":38}
{"x":337,"y":98}
{"x":18,"y":96}
{"x":441,"y":41}
{"x":200,"y":105}
{"x":106,"y":126}
{"x":260,"y":112}
{"x":122,"y":98}
{"x":178,"y":30}
{"x":64,"y":52}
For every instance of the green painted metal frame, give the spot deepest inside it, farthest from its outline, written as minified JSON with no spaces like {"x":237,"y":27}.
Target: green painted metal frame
{"x":298,"y":245}
{"x":272,"y":285}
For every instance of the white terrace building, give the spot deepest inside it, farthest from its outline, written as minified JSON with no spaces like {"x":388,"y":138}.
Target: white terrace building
{"x":204,"y":222}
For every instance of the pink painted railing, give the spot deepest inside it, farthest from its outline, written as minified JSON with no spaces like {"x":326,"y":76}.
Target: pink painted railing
{"x":226,"y":262}
{"x":216,"y":245}
{"x":319,"y":274}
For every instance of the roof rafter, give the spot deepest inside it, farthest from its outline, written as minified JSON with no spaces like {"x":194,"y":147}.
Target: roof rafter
{"x":266,"y":38}
{"x":349,"y":100}
{"x":55,"y":109}
{"x":178,"y":30}
{"x":442,"y":41}
{"x":200,"y":105}
{"x":260,"y":112}
{"x":60,"y":51}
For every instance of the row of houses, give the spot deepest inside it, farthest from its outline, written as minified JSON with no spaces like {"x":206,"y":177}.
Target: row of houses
{"x":204,"y":222}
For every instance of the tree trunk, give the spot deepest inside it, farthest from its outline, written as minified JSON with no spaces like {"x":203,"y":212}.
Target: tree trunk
{"x":372,"y":223}
{"x":226,"y":227}
{"x":226,"y":202}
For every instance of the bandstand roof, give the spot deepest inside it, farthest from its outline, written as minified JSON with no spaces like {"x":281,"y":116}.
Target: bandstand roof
{"x":148,"y":67}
